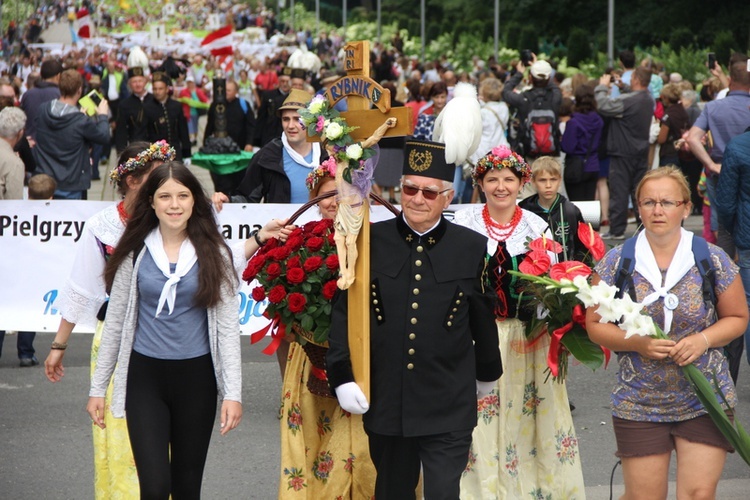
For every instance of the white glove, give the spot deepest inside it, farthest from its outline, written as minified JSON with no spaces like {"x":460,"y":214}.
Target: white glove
{"x":352,"y":399}
{"x":485,"y":388}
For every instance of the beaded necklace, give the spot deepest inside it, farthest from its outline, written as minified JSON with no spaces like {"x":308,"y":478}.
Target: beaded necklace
{"x":124,"y":216}
{"x":497,"y":231}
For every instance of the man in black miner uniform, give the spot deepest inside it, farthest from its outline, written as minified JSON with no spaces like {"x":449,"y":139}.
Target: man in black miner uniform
{"x":240,"y":127}
{"x":433,"y":339}
{"x":132,"y":121}
{"x":269,"y":124}
{"x":166,"y":121}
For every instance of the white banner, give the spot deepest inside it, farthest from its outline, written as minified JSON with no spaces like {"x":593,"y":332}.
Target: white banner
{"x":38,"y":244}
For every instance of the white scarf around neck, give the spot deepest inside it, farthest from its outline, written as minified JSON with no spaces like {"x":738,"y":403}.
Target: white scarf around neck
{"x":185,"y":261}
{"x":298,"y":158}
{"x":646,"y":265}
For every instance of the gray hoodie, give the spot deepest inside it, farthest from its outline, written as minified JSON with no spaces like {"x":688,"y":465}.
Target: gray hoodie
{"x":63,"y":140}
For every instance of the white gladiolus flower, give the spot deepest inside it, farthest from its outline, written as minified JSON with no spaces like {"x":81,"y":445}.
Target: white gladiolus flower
{"x":354,"y":151}
{"x":627,"y":307}
{"x":334,"y":131}
{"x":607,"y":313}
{"x":638,"y":324}
{"x":568,"y":286}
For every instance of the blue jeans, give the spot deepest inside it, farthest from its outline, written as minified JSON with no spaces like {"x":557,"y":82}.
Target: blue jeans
{"x":68,"y":195}
{"x":744,"y":263}
{"x":24,"y":344}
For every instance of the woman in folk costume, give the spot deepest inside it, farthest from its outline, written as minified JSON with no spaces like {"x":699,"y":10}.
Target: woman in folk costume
{"x":324,"y":450}
{"x":524,"y":445}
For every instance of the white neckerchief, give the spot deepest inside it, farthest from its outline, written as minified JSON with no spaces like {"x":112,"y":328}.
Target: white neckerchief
{"x":298,"y":158}
{"x":185,"y":261}
{"x":646,"y":266}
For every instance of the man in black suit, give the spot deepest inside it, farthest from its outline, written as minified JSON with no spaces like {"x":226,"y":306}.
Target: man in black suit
{"x":132,"y":122}
{"x":269,"y":124}
{"x":166,"y":121}
{"x":433,"y":339}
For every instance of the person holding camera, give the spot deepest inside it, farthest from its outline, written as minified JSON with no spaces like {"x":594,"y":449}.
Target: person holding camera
{"x":64,"y":136}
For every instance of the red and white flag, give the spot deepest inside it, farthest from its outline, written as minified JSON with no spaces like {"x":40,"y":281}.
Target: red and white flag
{"x":226,"y":63}
{"x":219,"y":42}
{"x":84,"y":23}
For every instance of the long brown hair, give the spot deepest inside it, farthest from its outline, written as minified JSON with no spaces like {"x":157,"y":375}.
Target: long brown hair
{"x":201,"y":228}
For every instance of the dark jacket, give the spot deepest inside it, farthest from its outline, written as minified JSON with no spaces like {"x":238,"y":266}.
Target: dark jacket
{"x":265,"y":179}
{"x":33,"y":99}
{"x":732,"y":201}
{"x":432,"y":330}
{"x":582,"y":135}
{"x":562,"y":219}
{"x":64,"y":137}
{"x":269,"y":125}
{"x":240,"y":123}
{"x":132,"y":122}
{"x":166,"y":122}
{"x":630,"y":126}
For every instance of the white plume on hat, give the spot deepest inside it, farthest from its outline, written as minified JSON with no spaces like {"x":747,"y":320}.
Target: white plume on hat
{"x":459,"y":125}
{"x":304,"y":59}
{"x":137,"y":58}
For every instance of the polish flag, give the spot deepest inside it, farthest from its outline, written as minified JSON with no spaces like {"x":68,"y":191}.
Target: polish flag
{"x":226,"y":63}
{"x":219,"y":42}
{"x":84,"y":23}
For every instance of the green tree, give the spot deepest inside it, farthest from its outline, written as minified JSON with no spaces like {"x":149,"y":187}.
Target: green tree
{"x":579,"y":48}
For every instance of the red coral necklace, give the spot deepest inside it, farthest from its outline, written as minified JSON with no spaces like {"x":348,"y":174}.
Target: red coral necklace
{"x":497,"y":231}
{"x":124,"y":216}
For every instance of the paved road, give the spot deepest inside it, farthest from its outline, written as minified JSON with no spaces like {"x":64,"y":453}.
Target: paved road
{"x":45,"y":434}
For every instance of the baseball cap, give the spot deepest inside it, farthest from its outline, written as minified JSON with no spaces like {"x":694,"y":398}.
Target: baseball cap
{"x":541,"y":70}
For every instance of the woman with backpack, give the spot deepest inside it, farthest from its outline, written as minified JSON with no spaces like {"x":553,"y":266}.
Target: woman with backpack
{"x":654,"y":407}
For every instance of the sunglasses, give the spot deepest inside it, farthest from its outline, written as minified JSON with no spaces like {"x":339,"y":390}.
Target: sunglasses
{"x":429,"y":194}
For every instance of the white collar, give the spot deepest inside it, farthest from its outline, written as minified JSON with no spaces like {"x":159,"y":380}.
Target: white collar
{"x":185,"y":261}
{"x":646,"y":265}
{"x":298,"y":158}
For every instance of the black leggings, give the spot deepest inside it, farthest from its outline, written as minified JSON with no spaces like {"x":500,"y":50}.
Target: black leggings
{"x":171,"y":408}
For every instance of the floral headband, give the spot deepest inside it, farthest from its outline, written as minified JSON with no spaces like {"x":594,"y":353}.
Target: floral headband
{"x":158,"y":151}
{"x":325,"y":169}
{"x":499,"y":158}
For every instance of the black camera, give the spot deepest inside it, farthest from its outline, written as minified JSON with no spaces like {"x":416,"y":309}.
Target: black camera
{"x":526,"y":57}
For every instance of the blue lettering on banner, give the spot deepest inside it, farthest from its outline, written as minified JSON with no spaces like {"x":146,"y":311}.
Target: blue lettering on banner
{"x":49,"y":299}
{"x":249,"y":308}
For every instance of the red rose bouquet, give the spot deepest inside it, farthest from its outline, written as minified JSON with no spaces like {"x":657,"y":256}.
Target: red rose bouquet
{"x":561,"y":314}
{"x":298,"y":278}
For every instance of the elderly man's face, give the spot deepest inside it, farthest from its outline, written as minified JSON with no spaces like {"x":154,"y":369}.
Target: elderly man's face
{"x":284,"y":83}
{"x":421,"y":212}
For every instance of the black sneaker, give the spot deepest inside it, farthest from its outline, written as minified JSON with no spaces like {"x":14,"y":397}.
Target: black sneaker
{"x":27,"y":362}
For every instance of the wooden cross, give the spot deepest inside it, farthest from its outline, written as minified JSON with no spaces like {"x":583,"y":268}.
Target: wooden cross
{"x":362,"y":93}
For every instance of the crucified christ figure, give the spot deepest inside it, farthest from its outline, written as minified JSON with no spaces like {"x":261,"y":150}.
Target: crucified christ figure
{"x":351,"y":199}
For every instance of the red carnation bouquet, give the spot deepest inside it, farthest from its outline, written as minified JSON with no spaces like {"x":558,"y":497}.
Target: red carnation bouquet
{"x":298,"y":278}
{"x":563,"y":315}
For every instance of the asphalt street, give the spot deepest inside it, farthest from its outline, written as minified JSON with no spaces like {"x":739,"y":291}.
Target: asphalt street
{"x":45,"y":433}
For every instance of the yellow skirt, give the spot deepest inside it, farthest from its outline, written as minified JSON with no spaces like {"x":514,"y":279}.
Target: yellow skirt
{"x":324,"y":450}
{"x":115,"y":477}
{"x":524,"y":445}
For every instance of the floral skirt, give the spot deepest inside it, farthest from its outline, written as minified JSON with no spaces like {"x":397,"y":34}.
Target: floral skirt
{"x":324,"y":450}
{"x":115,"y":477}
{"x":524,"y":445}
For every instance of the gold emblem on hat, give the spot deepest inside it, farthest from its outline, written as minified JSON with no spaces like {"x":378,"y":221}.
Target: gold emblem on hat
{"x":419,"y":161}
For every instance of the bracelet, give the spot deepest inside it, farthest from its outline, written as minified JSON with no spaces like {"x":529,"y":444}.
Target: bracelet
{"x":59,"y":346}
{"x":256,"y":235}
{"x":708,"y":346}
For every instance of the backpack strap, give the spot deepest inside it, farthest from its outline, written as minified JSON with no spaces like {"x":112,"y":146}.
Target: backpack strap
{"x":624,"y":274}
{"x":243,"y":105}
{"x":703,"y":262}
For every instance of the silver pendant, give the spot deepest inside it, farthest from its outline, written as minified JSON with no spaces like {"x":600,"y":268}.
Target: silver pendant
{"x":671,"y":301}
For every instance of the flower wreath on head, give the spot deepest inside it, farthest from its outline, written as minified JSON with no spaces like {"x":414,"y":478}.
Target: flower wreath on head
{"x":325,"y":169}
{"x":499,"y":158}
{"x":321,"y":120}
{"x":159,"y":150}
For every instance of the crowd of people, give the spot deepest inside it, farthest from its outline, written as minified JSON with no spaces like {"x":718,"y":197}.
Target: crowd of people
{"x":459,"y":393}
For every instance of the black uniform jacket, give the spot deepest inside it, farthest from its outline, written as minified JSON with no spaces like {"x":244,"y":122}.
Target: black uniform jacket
{"x":167,"y":122}
{"x":132,"y":122}
{"x":269,"y":125}
{"x":432,"y":330}
{"x":240,"y":124}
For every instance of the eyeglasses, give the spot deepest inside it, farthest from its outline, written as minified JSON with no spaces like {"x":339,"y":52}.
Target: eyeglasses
{"x":429,"y":194}
{"x":665,"y":204}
